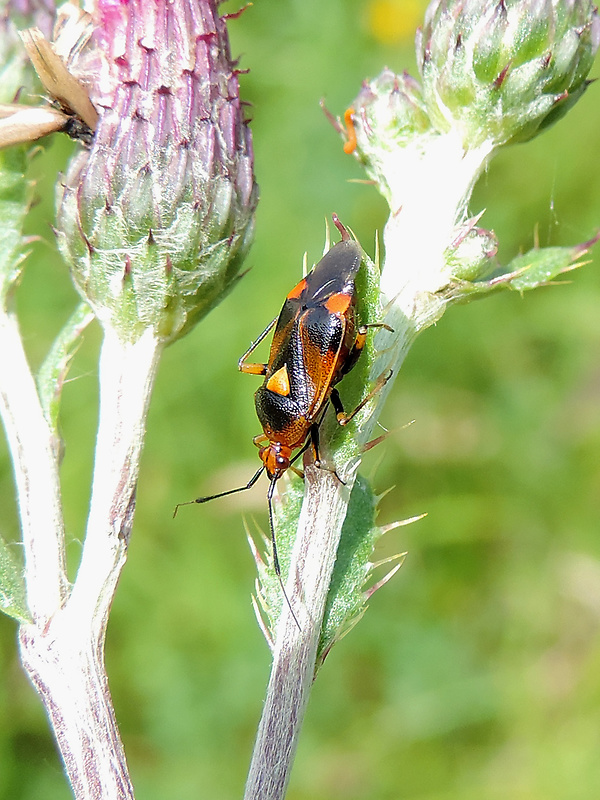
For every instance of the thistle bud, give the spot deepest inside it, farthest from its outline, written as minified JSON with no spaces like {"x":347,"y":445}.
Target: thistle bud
{"x":493,"y":72}
{"x":501,"y":70}
{"x":156,"y":217}
{"x":389,"y":116}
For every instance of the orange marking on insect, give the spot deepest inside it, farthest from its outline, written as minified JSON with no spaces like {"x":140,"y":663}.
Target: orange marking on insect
{"x":297,"y":290}
{"x":338,"y":303}
{"x":279,"y":382}
{"x":350,"y":145}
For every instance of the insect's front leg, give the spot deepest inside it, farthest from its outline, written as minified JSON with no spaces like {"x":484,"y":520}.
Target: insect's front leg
{"x":314,"y":441}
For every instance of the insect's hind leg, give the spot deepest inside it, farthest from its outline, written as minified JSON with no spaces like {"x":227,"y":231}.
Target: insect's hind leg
{"x":342,"y":417}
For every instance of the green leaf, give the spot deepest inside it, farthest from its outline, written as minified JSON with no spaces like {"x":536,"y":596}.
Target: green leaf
{"x":15,"y":193}
{"x":12,"y":585}
{"x":287,"y":504}
{"x":53,"y":371}
{"x":538,"y":267}
{"x":347,"y":600}
{"x":348,"y":596}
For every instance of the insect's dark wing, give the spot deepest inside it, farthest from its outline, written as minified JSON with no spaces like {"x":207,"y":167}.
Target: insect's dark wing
{"x":292,"y":307}
{"x":321,"y":335}
{"x":283,"y":330}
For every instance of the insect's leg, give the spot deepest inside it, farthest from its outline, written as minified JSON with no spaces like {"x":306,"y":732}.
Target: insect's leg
{"x":276,"y":566}
{"x":359,"y":343}
{"x":249,"y":485}
{"x":378,"y":325}
{"x":344,"y":418}
{"x":255,"y":369}
{"x":259,"y":440}
{"x":357,"y":349}
{"x":300,"y":452}
{"x":314,"y":440}
{"x":336,"y":402}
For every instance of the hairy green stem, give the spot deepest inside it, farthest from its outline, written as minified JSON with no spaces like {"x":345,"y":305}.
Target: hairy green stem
{"x":412,"y":277}
{"x":296,"y":645}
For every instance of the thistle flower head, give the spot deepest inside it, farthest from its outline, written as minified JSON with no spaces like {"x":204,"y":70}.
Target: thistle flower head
{"x":157,"y":216}
{"x":501,"y":70}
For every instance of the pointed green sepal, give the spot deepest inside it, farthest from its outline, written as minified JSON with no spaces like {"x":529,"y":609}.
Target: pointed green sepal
{"x":538,"y":267}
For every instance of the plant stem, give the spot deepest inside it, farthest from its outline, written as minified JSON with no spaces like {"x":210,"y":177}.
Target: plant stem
{"x":411,"y":303}
{"x":32,"y":445}
{"x":127,"y":372}
{"x":67,"y":668}
{"x":63,"y":653}
{"x":295,"y":649}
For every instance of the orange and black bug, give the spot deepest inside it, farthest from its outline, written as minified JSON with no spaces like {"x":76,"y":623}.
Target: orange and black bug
{"x":317,"y":341}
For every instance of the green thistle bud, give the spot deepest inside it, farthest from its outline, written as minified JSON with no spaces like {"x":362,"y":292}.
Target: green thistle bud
{"x":156,"y":218}
{"x":501,"y":70}
{"x":493,"y":72}
{"x":389,"y":118}
{"x":472,"y":254}
{"x":393,"y":105}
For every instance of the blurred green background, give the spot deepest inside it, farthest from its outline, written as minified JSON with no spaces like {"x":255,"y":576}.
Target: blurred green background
{"x":475,"y":674}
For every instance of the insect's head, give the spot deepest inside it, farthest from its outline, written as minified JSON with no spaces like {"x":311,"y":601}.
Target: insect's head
{"x":276,"y":457}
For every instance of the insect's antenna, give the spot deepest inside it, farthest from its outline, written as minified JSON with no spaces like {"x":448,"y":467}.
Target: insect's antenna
{"x":275,"y":556}
{"x":249,"y":485}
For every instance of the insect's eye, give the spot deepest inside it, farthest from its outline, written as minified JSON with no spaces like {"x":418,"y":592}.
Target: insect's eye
{"x":281,"y":461}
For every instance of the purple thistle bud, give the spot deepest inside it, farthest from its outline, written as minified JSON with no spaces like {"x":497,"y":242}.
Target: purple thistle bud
{"x":156,"y":217}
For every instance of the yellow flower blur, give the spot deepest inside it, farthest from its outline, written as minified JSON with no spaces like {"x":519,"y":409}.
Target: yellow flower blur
{"x":394,"y":21}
